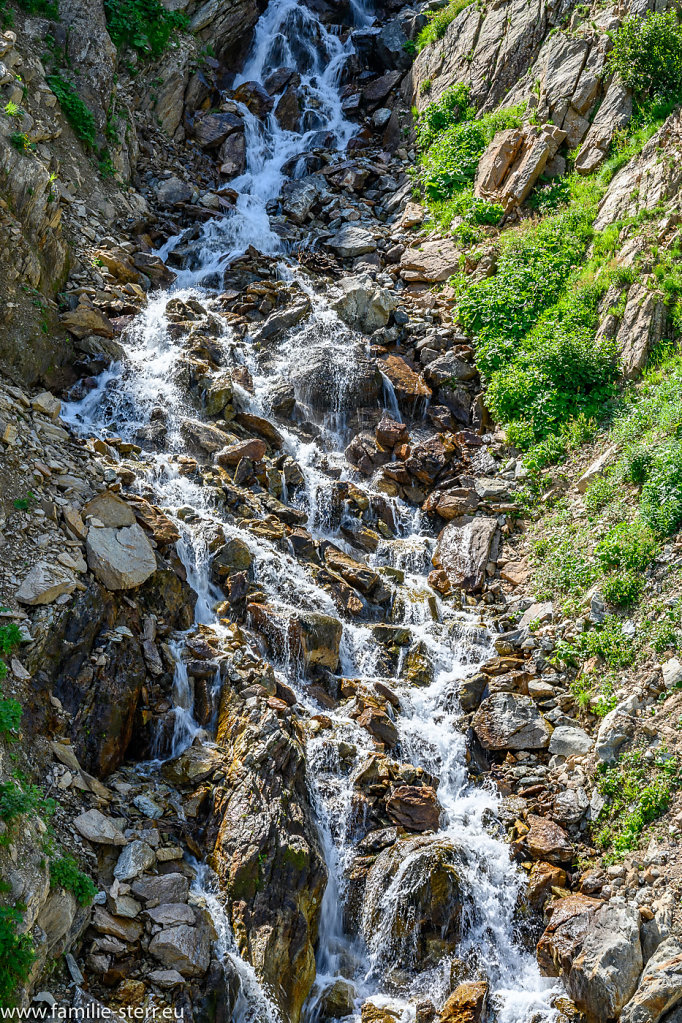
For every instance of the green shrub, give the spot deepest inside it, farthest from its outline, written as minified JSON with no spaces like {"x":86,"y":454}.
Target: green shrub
{"x":451,"y":159}
{"x":452,"y":108}
{"x":629,"y":545}
{"x":439,"y":22}
{"x":622,"y":589}
{"x":10,"y":637}
{"x":599,"y":493}
{"x":19,"y":799}
{"x":143,"y":25}
{"x":608,"y":642}
{"x":65,"y":873}
{"x":661,"y":500}
{"x":79,"y":116}
{"x":10,"y":717}
{"x":16,"y":953}
{"x":48,"y":8}
{"x":20,"y":141}
{"x":647,"y":54}
{"x":562,"y":564}
{"x":637,"y":792}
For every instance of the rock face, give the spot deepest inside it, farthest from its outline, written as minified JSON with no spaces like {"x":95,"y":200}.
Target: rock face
{"x":604,"y":975}
{"x":660,"y":986}
{"x":641,"y":327}
{"x":266,"y":848}
{"x":507,"y":721}
{"x":513,"y":162}
{"x":120,"y":558}
{"x":183,"y":948}
{"x":44,"y":584}
{"x":463,"y":551}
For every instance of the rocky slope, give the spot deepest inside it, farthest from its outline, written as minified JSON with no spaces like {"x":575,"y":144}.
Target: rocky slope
{"x":319,"y":699}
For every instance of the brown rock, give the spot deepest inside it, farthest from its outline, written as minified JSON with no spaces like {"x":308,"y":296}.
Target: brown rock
{"x":543,"y":877}
{"x":86,"y":319}
{"x":547,"y":841}
{"x":466,"y":1004}
{"x":563,"y":936}
{"x":233,"y":453}
{"x":379,"y":725}
{"x":415,"y":807}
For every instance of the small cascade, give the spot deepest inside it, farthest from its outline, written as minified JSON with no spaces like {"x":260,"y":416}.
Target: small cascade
{"x":374,"y":950}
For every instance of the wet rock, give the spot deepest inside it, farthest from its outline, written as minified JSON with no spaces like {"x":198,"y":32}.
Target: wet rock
{"x":314,"y":637}
{"x":121,"y":559}
{"x":255,"y":98}
{"x":44,"y":584}
{"x":357,"y":573}
{"x":466,"y":1004}
{"x":337,"y":1001}
{"x":542,"y":879}
{"x":281,"y":320}
{"x":352,"y":241}
{"x":165,"y":888}
{"x":660,"y":986}
{"x":211,"y":130}
{"x":232,"y":155}
{"x":426,"y":907}
{"x":288,"y":109}
{"x":379,"y":725}
{"x":508,"y":721}
{"x":232,"y":454}
{"x":363,"y":304}
{"x":86,"y":319}
{"x":409,"y":386}
{"x":604,"y":974}
{"x":414,"y":807}
{"x":464,"y":549}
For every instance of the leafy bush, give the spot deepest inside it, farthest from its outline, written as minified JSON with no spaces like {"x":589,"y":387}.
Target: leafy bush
{"x":439,"y":22}
{"x":661,"y":500}
{"x":562,"y":564}
{"x":599,"y":493}
{"x":20,"y":141}
{"x":629,"y":545}
{"x":17,"y":800}
{"x":608,"y":642}
{"x":143,"y":25}
{"x":10,"y":637}
{"x":453,"y":107}
{"x":647,"y":54}
{"x":451,"y":160}
{"x":10,"y":717}
{"x":623,"y":589}
{"x":65,"y":873}
{"x":79,"y":116}
{"x":637,"y":792}
{"x":16,"y":953}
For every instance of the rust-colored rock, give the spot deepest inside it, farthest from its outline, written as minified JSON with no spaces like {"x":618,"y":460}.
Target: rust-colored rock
{"x":415,"y":807}
{"x":466,"y":1004}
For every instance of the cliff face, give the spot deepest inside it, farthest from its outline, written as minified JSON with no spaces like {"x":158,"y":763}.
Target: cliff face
{"x":340,"y":502}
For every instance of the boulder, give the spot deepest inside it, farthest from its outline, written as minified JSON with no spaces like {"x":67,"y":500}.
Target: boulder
{"x":379,"y":725}
{"x":660,"y":986}
{"x":44,"y":584}
{"x":596,"y":469}
{"x":464,"y":549}
{"x":433,"y":261}
{"x":542,"y":879}
{"x":449,"y":369}
{"x":111,"y":510}
{"x":172,"y":914}
{"x":569,"y":741}
{"x":172,"y":192}
{"x":507,"y":721}
{"x":545,"y":840}
{"x":409,"y":386}
{"x":185,"y":949}
{"x":121,"y":559}
{"x":47,"y":405}
{"x":120,"y":927}
{"x":313,"y":637}
{"x":613,"y":114}
{"x":615,"y":731}
{"x":99,"y":829}
{"x":165,"y":888}
{"x":563,"y":936}
{"x":255,"y":98}
{"x":604,"y":974}
{"x":352,"y":241}
{"x":86,"y":319}
{"x":337,"y":1001}
{"x":232,"y":155}
{"x":232,"y":454}
{"x":363,"y":304}
{"x":513,"y":162}
{"x":415,"y":807}
{"x":211,"y":130}
{"x":403,"y":922}
{"x":466,"y":1004}
{"x":134,"y":860}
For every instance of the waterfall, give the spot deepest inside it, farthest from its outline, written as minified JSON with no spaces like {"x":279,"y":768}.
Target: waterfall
{"x":142,"y":391}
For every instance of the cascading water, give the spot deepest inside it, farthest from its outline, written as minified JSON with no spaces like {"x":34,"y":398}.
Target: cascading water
{"x":140,"y":398}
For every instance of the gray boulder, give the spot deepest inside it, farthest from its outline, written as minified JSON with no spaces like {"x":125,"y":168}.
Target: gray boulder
{"x":464,"y":551}
{"x":182,"y":948}
{"x":352,"y":241}
{"x":604,"y":975}
{"x":364,"y":305}
{"x":120,"y":558}
{"x":508,"y":721}
{"x":660,"y":987}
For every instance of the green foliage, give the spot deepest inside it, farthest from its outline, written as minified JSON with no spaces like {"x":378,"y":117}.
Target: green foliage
{"x":637,"y":791}
{"x":79,"y":116}
{"x":10,"y":717}
{"x":143,"y":25}
{"x":599,"y":493}
{"x":452,"y":108}
{"x":623,"y":588}
{"x":16,"y":953}
{"x":608,"y":642}
{"x":20,"y":141}
{"x":24,"y":503}
{"x":562,"y":563}
{"x":647,"y":54}
{"x":451,"y":159}
{"x":661,"y":500}
{"x":12,"y":110}
{"x":65,"y":873}
{"x":439,"y":22}
{"x":10,"y":637}
{"x":17,"y":799}
{"x":629,"y":545}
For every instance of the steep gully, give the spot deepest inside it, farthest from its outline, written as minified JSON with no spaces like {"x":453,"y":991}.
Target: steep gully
{"x":379,"y":960}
